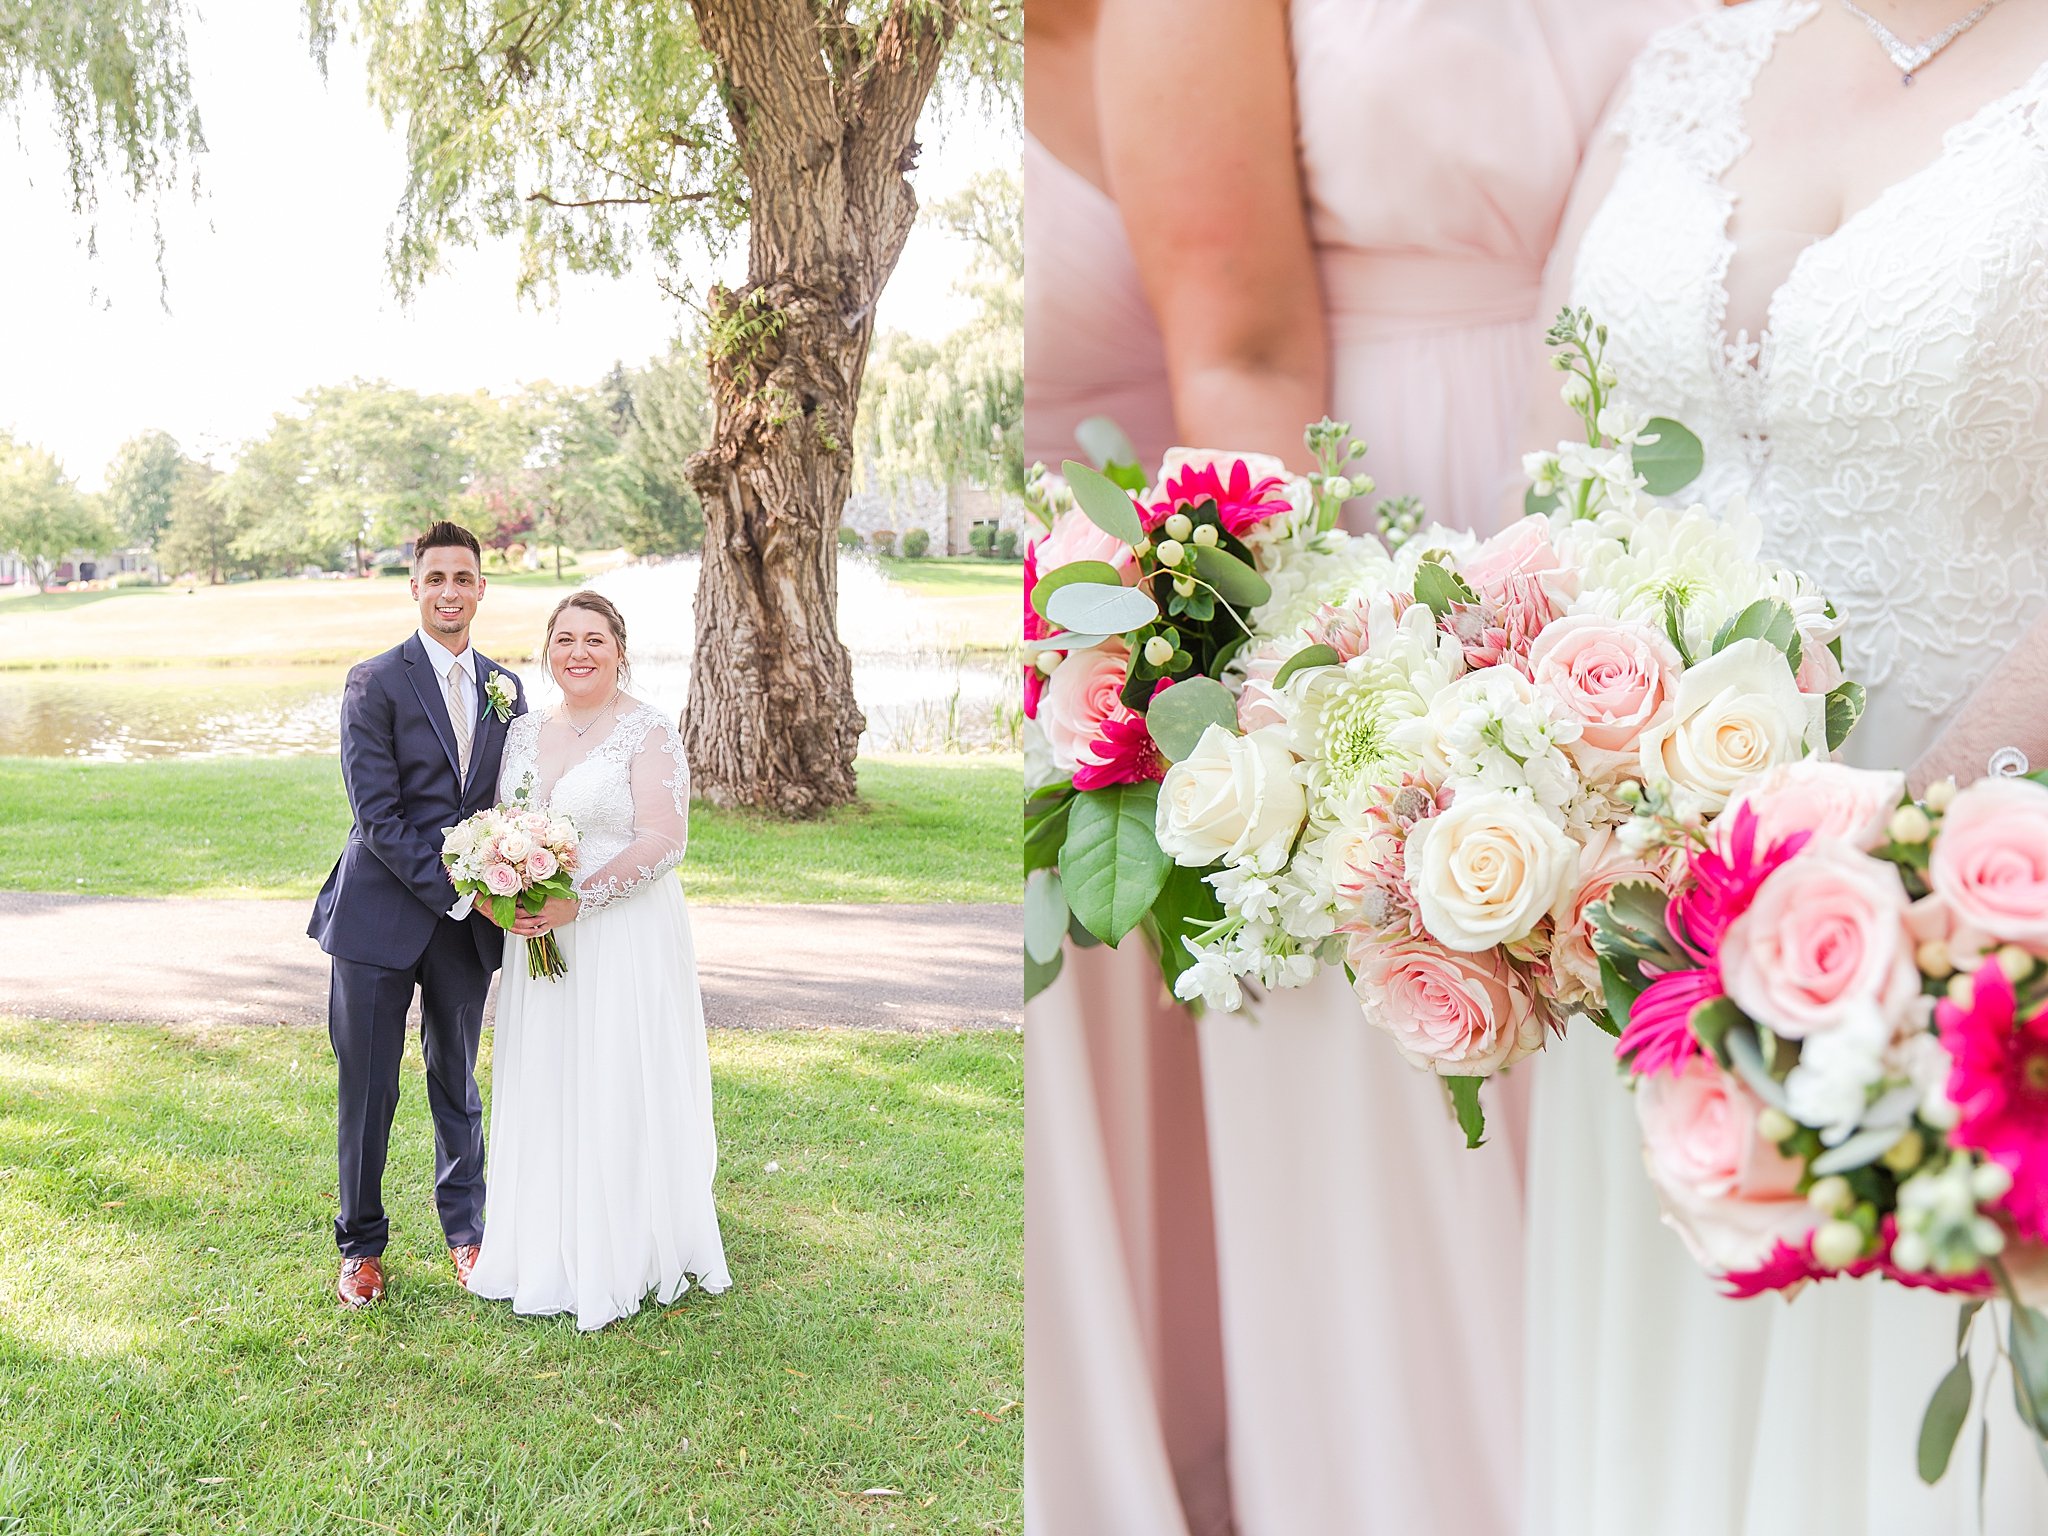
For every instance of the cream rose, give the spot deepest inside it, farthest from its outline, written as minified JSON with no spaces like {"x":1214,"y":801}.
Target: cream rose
{"x":1826,"y":799}
{"x":1615,"y":676}
{"x":1080,"y":695}
{"x":1724,"y":1189}
{"x":1990,"y":863}
{"x":1458,"y":1015}
{"x":1822,"y":946}
{"x":1734,"y":714}
{"x":1485,"y":871}
{"x":1233,"y":797}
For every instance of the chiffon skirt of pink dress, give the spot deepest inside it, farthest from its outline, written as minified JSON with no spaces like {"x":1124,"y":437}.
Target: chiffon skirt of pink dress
{"x":1370,"y":1266}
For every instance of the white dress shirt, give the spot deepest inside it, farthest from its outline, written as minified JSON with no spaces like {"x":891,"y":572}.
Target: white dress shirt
{"x":440,"y":658}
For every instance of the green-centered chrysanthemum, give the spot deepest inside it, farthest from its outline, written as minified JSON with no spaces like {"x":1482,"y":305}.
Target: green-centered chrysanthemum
{"x":1346,"y":727}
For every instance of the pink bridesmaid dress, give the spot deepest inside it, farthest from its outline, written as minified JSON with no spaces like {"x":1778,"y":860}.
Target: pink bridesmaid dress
{"x":1123,"y":1359}
{"x":1370,"y":1267}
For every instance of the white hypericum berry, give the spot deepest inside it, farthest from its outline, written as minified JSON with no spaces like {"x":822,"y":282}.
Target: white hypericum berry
{"x":1158,"y":651}
{"x":1049,"y":661}
{"x":1837,"y":1244}
{"x":1941,"y":794}
{"x":1184,"y":585}
{"x":1172,"y":551}
{"x":1830,"y":1195}
{"x":2017,"y":964}
{"x":1934,"y":960}
{"x":1905,"y":1154}
{"x":1990,"y":1181}
{"x":1910,"y":1252}
{"x":1909,"y":824}
{"x":1773,"y":1124}
{"x":1179,"y":526}
{"x":1205,"y":536}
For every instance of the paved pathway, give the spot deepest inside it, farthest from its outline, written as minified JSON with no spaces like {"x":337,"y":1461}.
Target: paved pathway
{"x":186,"y":961}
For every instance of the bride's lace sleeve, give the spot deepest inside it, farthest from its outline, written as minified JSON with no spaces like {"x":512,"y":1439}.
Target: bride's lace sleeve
{"x":659,"y":778}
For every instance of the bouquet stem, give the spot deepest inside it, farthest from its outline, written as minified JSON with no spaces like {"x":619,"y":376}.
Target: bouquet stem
{"x":544,"y":959}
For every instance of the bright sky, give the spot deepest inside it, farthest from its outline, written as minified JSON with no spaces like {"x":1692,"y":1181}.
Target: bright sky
{"x":276,"y":274}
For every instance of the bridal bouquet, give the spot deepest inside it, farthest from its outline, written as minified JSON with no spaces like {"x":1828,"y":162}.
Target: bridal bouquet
{"x":1837,"y":1022}
{"x":1435,"y":752}
{"x":514,"y":859}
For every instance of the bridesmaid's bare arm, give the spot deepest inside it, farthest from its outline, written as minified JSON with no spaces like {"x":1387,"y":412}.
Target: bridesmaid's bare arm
{"x":2009,"y":709}
{"x":1203,"y":164}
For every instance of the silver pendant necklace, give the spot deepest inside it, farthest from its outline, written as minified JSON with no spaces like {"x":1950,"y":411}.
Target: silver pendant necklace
{"x":583,"y":730}
{"x":1913,"y":57}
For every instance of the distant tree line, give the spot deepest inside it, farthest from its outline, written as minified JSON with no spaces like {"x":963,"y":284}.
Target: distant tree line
{"x":363,"y":466}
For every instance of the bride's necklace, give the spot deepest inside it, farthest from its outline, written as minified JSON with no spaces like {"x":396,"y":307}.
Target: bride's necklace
{"x":584,"y":730}
{"x":1912,"y":57}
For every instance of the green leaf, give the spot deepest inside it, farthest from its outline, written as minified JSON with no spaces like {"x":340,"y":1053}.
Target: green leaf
{"x":1106,"y":504}
{"x":1045,"y":831}
{"x":505,"y":910}
{"x":1038,"y":977}
{"x":1112,"y":866}
{"x":1674,"y":625}
{"x":1464,"y":1093}
{"x":2028,"y":1345}
{"x":1767,"y":619}
{"x":1106,"y":443}
{"x":1672,"y":462}
{"x":1712,"y":1022}
{"x":1538,"y":506}
{"x":1946,"y":1411}
{"x":1845,"y":708}
{"x":1621,"y":994}
{"x":1187,"y":905}
{"x":1178,"y":717}
{"x":1437,"y":586}
{"x":1965,"y":1315}
{"x":1308,"y":656}
{"x":1097,"y":608}
{"x":1235,"y":582}
{"x":1099,"y":572}
{"x":1045,"y":915}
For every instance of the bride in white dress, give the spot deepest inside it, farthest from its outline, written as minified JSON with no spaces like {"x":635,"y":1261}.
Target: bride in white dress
{"x":1842,"y":287}
{"x":602,"y":1149}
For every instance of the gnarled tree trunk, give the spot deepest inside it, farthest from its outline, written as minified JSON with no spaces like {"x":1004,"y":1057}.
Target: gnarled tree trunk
{"x":825,"y":122}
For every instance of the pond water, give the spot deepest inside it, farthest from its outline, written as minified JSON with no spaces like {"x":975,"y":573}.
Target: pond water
{"x":920,"y":691}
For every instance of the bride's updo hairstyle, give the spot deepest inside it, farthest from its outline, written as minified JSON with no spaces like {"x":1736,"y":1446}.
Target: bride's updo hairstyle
{"x":604,"y":608}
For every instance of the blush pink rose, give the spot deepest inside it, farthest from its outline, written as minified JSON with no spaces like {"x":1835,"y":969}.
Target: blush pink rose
{"x":1614,"y":676}
{"x":1603,"y":864}
{"x":1990,"y":861}
{"x":1085,"y":691}
{"x":1522,"y":548}
{"x":501,"y":879}
{"x":1458,"y":1015}
{"x":1257,"y":704}
{"x":1852,"y":805}
{"x":1073,"y":537}
{"x":1823,"y":944}
{"x":1724,"y":1189}
{"x":540,"y":864}
{"x":1819,"y":672}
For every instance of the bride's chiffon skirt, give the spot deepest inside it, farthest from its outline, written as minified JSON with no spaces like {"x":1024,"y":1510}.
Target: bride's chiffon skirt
{"x":602,"y":1148}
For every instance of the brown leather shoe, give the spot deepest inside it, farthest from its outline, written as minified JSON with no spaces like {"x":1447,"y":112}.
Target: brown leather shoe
{"x":464,"y":1260}
{"x":361,"y":1282}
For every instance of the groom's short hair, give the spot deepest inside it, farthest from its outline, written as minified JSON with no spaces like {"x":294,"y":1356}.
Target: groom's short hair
{"x":447,"y":536}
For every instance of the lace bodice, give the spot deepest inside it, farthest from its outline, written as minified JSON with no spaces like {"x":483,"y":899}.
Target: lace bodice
{"x":627,"y":792}
{"x":1891,"y":424}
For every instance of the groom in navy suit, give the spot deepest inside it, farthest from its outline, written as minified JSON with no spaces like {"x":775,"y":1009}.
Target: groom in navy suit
{"x":421,"y":739}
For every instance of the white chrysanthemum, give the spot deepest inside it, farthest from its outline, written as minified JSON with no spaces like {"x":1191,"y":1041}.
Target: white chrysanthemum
{"x":1304,"y":576}
{"x":1346,"y":719}
{"x":1709,"y":567}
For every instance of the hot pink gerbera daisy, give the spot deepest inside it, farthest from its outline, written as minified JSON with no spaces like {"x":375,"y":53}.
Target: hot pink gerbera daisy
{"x":1035,"y":628}
{"x":1240,"y":502}
{"x":1721,"y":880}
{"x":1121,"y":753}
{"x":1999,"y":1085}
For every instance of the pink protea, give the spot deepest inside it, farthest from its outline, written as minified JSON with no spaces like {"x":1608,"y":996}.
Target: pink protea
{"x":1999,"y":1085}
{"x":1240,"y":501}
{"x":1721,"y":880}
{"x":1503,"y":624}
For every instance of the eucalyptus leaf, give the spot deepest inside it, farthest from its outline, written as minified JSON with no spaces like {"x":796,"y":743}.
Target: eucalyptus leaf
{"x":1464,"y":1093}
{"x":1845,"y":708}
{"x":1538,"y":506}
{"x":1946,"y":1412}
{"x":1437,"y":587}
{"x":1111,"y":866}
{"x":1672,"y":462}
{"x":1105,"y":442}
{"x":1732,"y":1039}
{"x":1099,"y":572}
{"x":1178,"y":717}
{"x":2027,"y":1343}
{"x":1966,"y":1315}
{"x":1095,"y":608}
{"x":1105,"y":503}
{"x":1038,"y":977}
{"x":1045,"y":915}
{"x":1308,"y":656}
{"x":1066,"y":640}
{"x":1237,"y":583}
{"x":1859,"y":1151}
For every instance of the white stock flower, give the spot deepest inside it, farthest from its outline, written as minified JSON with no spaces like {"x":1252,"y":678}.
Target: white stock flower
{"x":1486,"y":871}
{"x":1734,"y":714}
{"x":1494,"y":729}
{"x":1234,"y":797}
{"x":1304,"y":577}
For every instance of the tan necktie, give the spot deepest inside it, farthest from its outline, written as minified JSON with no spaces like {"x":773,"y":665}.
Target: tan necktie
{"x":458,"y":715}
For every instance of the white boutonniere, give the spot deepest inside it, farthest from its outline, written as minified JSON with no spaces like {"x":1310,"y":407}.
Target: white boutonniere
{"x":499,"y":692}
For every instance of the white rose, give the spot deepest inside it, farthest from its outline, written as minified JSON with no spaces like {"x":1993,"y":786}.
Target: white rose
{"x":1233,"y":797}
{"x":1733,"y":715}
{"x":1485,"y":871}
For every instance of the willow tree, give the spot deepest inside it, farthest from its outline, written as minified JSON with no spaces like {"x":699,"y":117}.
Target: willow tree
{"x":599,"y":134}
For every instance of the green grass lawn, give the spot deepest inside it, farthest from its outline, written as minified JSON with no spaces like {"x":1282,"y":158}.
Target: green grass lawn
{"x":172,"y":1359}
{"x":923,"y":831}
{"x":962,"y":576}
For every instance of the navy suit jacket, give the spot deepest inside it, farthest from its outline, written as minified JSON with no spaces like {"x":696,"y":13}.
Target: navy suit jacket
{"x":389,"y":889}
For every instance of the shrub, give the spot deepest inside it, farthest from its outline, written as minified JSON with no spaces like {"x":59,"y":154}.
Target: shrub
{"x":1006,"y":544}
{"x":981,"y":538}
{"x":916,"y":543}
{"x":848,"y":539}
{"x":884,"y":540}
